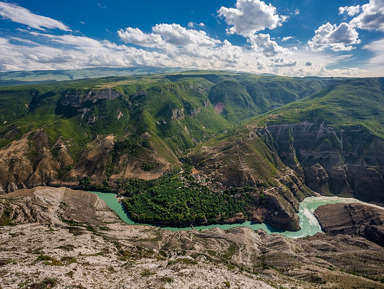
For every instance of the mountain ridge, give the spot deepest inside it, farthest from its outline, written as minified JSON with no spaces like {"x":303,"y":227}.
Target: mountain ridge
{"x":120,"y":133}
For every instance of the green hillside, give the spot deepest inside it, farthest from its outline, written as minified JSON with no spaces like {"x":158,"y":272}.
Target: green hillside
{"x":109,"y":133}
{"x":346,"y":103}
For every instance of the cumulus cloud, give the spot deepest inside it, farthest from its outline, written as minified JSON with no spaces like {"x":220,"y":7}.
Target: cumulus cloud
{"x":338,"y":38}
{"x":167,"y":34}
{"x":371,"y":17}
{"x":166,"y":45}
{"x":281,"y":62}
{"x":21,"y":15}
{"x":138,"y":37}
{"x":47,"y":51}
{"x":250,"y":16}
{"x":264,"y":44}
{"x":178,"y":35}
{"x":350,"y":10}
{"x":193,"y":24}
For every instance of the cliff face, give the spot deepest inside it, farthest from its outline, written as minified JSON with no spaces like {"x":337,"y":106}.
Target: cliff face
{"x":77,"y":99}
{"x":349,"y":162}
{"x":28,"y":162}
{"x":353,"y":219}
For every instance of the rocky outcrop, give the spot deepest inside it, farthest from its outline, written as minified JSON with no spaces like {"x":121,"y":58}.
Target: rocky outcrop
{"x":353,"y":219}
{"x":28,"y":162}
{"x":178,"y":114}
{"x":54,"y":206}
{"x":195,"y":112}
{"x":331,"y":161}
{"x":78,"y":98}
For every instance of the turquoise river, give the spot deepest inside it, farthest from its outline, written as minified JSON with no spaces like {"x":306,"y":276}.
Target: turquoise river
{"x":308,"y":222}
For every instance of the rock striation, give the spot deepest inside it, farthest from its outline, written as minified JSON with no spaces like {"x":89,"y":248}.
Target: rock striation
{"x":331,"y":161}
{"x":353,"y":219}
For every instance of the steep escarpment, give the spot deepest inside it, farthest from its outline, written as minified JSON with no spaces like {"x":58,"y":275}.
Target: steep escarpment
{"x":346,"y":161}
{"x":113,"y":131}
{"x":353,"y":219}
{"x":334,"y":139}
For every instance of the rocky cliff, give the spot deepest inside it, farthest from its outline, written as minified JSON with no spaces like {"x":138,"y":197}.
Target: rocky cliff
{"x":79,"y":98}
{"x":353,"y":219}
{"x":347,"y":162}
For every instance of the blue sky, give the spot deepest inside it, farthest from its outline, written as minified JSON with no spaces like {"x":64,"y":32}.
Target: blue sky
{"x":294,"y":38}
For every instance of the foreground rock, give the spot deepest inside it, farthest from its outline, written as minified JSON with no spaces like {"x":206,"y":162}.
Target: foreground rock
{"x":353,"y":219}
{"x":84,"y":245}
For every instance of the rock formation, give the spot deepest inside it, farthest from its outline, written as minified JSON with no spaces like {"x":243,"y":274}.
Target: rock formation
{"x":353,"y":219}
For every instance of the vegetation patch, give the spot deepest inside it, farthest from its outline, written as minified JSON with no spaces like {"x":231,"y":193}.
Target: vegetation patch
{"x":175,"y":200}
{"x":45,"y":284}
{"x":47,"y":260}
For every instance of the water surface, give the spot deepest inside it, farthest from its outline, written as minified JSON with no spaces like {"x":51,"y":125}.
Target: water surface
{"x":308,"y":222}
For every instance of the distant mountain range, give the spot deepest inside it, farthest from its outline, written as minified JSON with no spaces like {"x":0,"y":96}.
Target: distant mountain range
{"x":44,"y":76}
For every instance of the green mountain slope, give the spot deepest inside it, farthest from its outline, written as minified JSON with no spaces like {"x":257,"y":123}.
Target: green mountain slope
{"x":355,"y":102}
{"x":119,"y":133}
{"x":333,"y":140}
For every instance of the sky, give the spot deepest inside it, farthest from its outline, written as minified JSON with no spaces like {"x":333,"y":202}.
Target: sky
{"x":283,"y":37}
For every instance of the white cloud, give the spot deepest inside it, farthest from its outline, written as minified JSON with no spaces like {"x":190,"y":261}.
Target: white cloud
{"x":287,"y":38}
{"x":193,"y":24}
{"x":166,"y":45}
{"x":178,"y":35}
{"x":74,"y":52}
{"x":350,"y":10}
{"x":250,"y":16}
{"x":263,"y":43}
{"x":372,"y":16}
{"x":281,"y":62}
{"x":47,"y":51}
{"x":138,"y":37}
{"x":167,"y":34}
{"x":338,"y":38}
{"x":375,"y":64}
{"x":23,"y":16}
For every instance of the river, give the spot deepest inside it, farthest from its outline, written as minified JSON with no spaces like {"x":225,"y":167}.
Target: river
{"x":308,"y":222}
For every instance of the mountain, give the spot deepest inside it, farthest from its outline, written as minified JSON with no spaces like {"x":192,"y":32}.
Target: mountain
{"x":334,"y":139}
{"x":331,"y":142}
{"x":243,"y":147}
{"x":43,"y":76}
